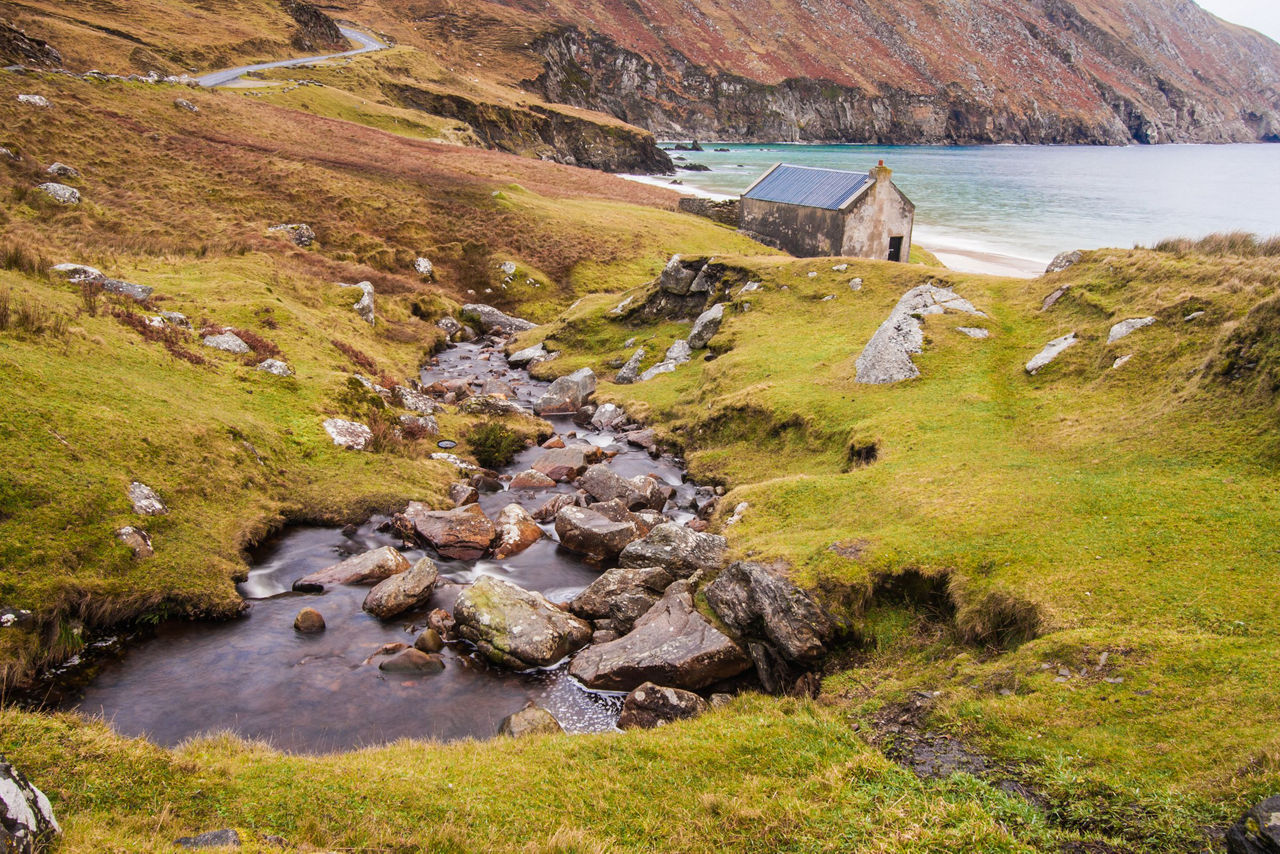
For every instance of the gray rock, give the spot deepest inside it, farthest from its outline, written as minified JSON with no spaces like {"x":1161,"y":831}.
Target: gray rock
{"x":564,"y":464}
{"x":416,"y":401}
{"x":141,"y":293}
{"x":491,"y":405}
{"x":1063,"y":260}
{"x":1126,"y":327}
{"x":567,"y":394}
{"x":422,"y":423}
{"x":677,"y":549}
{"x":275,"y":366}
{"x":137,"y":540}
{"x":369,"y":567}
{"x":756,"y":602}
{"x":974,"y":331}
{"x":1050,"y":352}
{"x":174,"y":318}
{"x":463,"y":533}
{"x":608,"y":416}
{"x":227,"y":341}
{"x":508,"y":268}
{"x":463,"y":493}
{"x":706,"y":326}
{"x":227,"y":838}
{"x":887,"y":356}
{"x":9,"y":153}
{"x":651,"y":705}
{"x":531,"y":720}
{"x":522,"y":358}
{"x":672,"y":644}
{"x":403,"y":591}
{"x":348,"y":434}
{"x":145,"y":501}
{"x":1258,"y":830}
{"x":679,"y":275}
{"x":646,"y":438}
{"x":17,"y":618}
{"x":364,"y":306}
{"x":636,"y":493}
{"x":60,"y":193}
{"x":677,"y":354}
{"x":27,"y":825}
{"x":184,"y":104}
{"x":591,"y":533}
{"x":1120,"y":362}
{"x":1193,"y":316}
{"x":62,"y":170}
{"x":547,"y":512}
{"x":451,"y":326}
{"x":34,"y":100}
{"x":855,"y":284}
{"x":630,"y":372}
{"x":1052,"y":299}
{"x":77,"y":272}
{"x":622,"y":595}
{"x":299,"y":232}
{"x":424,"y":268}
{"x":516,"y":628}
{"x":492,"y":320}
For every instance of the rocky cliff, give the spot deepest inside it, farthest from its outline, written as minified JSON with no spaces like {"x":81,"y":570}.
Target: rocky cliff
{"x":913,"y":71}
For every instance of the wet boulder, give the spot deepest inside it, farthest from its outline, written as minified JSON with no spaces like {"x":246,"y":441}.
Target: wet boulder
{"x":428,"y":640}
{"x":563,"y":464}
{"x":637,"y":493}
{"x":464,"y":533}
{"x":531,"y":479}
{"x":608,"y":417}
{"x":309,"y":621}
{"x":1258,"y":830}
{"x":651,"y":705}
{"x":368,"y":568}
{"x":593,"y":603}
{"x":517,"y":530}
{"x":547,"y":512}
{"x":492,"y":320}
{"x":531,"y":720}
{"x":757,"y":602}
{"x":593,"y":534}
{"x":517,"y":628}
{"x":567,"y":394}
{"x":677,"y":549}
{"x":403,"y":591}
{"x":27,"y":825}
{"x":412,"y":660}
{"x":672,"y":644}
{"x":463,"y":493}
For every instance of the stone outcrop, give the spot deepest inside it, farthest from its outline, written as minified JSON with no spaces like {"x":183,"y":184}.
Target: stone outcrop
{"x":225,"y":838}
{"x":757,"y":602}
{"x":301,"y":234}
{"x":1051,"y":351}
{"x":672,"y":644}
{"x":492,"y":320}
{"x":351,"y":435}
{"x":367,"y":568}
{"x":516,"y":628}
{"x":677,"y":549}
{"x":228,"y":342}
{"x":523,"y":358}
{"x":651,"y":705}
{"x":27,"y":824}
{"x":1062,"y":261}
{"x":1127,"y":327}
{"x":630,"y":372}
{"x":463,"y":533}
{"x":364,"y":306}
{"x":276,"y":367}
{"x":622,"y":595}
{"x":60,"y":193}
{"x":1258,"y":830}
{"x":531,"y":720}
{"x":887,"y":356}
{"x":403,"y":591}
{"x":18,"y":48}
{"x":317,"y":33}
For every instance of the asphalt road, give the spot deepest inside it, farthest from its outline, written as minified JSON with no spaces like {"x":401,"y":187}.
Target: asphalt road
{"x":368,"y":44}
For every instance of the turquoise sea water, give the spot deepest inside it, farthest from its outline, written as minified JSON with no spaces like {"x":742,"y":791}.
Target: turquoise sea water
{"x":1030,"y":202}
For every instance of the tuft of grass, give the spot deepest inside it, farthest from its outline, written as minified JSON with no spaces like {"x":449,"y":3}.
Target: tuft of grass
{"x":1233,"y":243}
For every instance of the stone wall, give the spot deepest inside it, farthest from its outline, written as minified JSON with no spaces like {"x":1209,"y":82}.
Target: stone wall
{"x":727,"y":212}
{"x":881,"y":212}
{"x":802,"y":231}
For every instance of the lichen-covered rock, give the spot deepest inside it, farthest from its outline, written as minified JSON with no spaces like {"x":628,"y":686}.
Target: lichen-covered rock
{"x":403,"y":591}
{"x":678,"y":276}
{"x":145,"y":501}
{"x":757,"y":602}
{"x":516,"y":628}
{"x":137,"y":540}
{"x":184,"y":104}
{"x":33,"y":100}
{"x":1063,"y":260}
{"x":348,"y":434}
{"x":367,"y":568}
{"x":415,"y":401}
{"x":531,"y":720}
{"x":622,"y":595}
{"x":547,"y":512}
{"x":567,"y":394}
{"x":463,"y":533}
{"x":677,"y":549}
{"x":424,"y":268}
{"x":1125,"y":327}
{"x":62,"y":170}
{"x":706,"y":326}
{"x":650,"y":705}
{"x":1258,"y":830}
{"x":887,"y":356}
{"x":228,"y":342}
{"x":608,"y":416}
{"x":672,"y":644}
{"x":522,"y":358}
{"x":593,"y":534}
{"x":531,"y":479}
{"x":1050,"y":352}
{"x":364,"y":306}
{"x":276,"y":367}
{"x":299,"y":232}
{"x":60,"y":193}
{"x":517,"y":530}
{"x":226,"y":838}
{"x":630,"y":372}
{"x":637,"y":493}
{"x":492,"y":320}
{"x":27,"y":825}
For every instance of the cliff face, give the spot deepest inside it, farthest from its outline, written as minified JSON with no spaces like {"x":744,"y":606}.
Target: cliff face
{"x":914,"y":71}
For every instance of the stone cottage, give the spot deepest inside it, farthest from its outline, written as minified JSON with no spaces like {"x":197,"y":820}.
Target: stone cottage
{"x":812,"y":212}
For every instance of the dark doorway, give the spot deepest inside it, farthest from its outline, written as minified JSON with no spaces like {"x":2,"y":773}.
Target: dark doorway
{"x":895,"y":248}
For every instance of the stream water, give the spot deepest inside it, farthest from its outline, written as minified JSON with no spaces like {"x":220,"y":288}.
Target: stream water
{"x":257,"y":677}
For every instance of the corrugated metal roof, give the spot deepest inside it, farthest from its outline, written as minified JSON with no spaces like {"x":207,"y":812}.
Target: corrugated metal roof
{"x":830,"y":189}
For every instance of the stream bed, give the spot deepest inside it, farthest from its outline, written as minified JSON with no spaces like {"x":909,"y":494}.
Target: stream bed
{"x":310,"y":693}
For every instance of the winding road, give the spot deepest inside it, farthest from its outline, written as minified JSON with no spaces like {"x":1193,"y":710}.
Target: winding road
{"x":368,"y":44}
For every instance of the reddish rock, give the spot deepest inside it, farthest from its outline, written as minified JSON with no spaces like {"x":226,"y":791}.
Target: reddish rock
{"x":651,"y":705}
{"x":368,"y":568}
{"x":553,"y":443}
{"x":531,"y":479}
{"x":516,"y":531}
{"x":554,"y":505}
{"x":562,"y":464}
{"x":413,"y":661}
{"x":463,"y":493}
{"x":464,"y":533}
{"x":590,"y":533}
{"x":309,"y":621}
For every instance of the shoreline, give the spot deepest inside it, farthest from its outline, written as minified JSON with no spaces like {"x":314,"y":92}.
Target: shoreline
{"x":961,"y":255}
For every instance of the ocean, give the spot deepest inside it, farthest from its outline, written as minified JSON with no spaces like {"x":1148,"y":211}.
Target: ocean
{"x":1011,"y":208}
